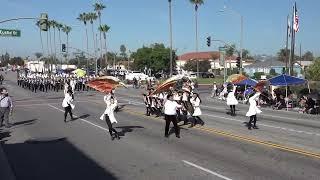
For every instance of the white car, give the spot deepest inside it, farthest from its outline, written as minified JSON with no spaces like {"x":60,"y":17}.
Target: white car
{"x":193,"y":76}
{"x":136,"y":74}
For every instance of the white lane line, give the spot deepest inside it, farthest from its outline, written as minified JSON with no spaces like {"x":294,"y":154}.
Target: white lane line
{"x":81,"y":119}
{"x":230,"y":119}
{"x":206,"y":170}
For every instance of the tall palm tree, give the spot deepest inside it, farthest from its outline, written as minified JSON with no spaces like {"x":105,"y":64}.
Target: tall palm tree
{"x":38,"y":25}
{"x":54,"y":25}
{"x":98,"y":7}
{"x":59,"y":27}
{"x":66,"y":29}
{"x":84,"y":18}
{"x":197,"y":3}
{"x":170,"y":27}
{"x":92,"y":17}
{"x":104,"y":29}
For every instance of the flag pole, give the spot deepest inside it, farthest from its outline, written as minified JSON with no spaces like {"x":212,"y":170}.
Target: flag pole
{"x":292,"y":42}
{"x":287,"y":54}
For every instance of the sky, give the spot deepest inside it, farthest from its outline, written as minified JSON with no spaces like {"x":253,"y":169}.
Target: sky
{"x":135,"y":23}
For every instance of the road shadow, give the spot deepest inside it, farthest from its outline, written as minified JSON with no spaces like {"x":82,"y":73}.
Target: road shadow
{"x":52,"y":159}
{"x":27,"y":122}
{"x":119,"y":108}
{"x":126,"y":129}
{"x":3,"y":135}
{"x":81,"y":117}
{"x":171,"y":130}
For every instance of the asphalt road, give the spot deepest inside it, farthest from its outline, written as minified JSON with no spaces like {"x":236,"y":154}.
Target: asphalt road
{"x":41,"y":146}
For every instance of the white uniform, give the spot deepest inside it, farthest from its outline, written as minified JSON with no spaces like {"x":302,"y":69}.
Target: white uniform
{"x":67,"y":101}
{"x":196,"y":106}
{"x":231,"y":98}
{"x":253,"y":109}
{"x":109,"y":110}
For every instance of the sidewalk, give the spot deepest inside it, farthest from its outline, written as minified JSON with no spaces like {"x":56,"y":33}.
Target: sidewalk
{"x":6,"y":172}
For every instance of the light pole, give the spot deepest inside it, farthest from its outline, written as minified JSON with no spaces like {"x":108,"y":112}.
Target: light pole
{"x":241,"y":31}
{"x":170,"y":24}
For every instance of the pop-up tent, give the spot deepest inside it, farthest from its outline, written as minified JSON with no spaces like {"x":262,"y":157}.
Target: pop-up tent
{"x":247,"y":82}
{"x":286,"y":80}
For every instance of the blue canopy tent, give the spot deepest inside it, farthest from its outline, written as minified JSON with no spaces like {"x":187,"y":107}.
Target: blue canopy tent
{"x":247,"y":82}
{"x":286,"y":80}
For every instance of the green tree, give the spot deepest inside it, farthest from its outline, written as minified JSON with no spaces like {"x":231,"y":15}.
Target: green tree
{"x":98,"y":7}
{"x":283,"y":54}
{"x":156,"y":57}
{"x":38,"y":55}
{"x":123,"y":50}
{"x":230,"y":50}
{"x":273,"y":72}
{"x":67,"y":29}
{"x":40,"y":31}
{"x":313,"y":72}
{"x":204,"y":66}
{"x":196,"y":4}
{"x":257,"y":75}
{"x":308,"y":56}
{"x":84,"y":18}
{"x":104,"y":29}
{"x":16,"y":61}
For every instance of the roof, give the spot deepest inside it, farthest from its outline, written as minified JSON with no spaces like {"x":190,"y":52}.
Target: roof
{"x":202,"y":56}
{"x":267,"y":63}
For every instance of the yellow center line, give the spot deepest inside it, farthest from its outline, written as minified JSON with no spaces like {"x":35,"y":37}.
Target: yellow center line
{"x":234,"y":136}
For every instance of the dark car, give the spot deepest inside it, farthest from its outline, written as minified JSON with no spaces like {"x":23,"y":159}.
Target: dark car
{"x":207,"y":75}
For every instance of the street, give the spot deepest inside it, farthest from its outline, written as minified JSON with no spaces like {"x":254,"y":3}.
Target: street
{"x":40,"y":145}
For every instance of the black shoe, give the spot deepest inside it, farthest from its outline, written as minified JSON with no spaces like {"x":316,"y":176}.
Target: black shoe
{"x":202,"y":123}
{"x":255,"y":127}
{"x":166,"y":135}
{"x":249,"y":127}
{"x":178,"y":136}
{"x":112,"y":138}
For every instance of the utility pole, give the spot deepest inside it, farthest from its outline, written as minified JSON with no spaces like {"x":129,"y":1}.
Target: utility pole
{"x":241,"y":44}
{"x":170,"y":24}
{"x":287,"y":54}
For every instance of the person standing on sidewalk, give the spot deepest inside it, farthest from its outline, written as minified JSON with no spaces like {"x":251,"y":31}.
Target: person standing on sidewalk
{"x":170,"y":111}
{"x":6,"y":108}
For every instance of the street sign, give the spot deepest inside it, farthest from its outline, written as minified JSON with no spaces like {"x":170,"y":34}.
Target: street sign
{"x":222,"y":51}
{"x":10,"y":33}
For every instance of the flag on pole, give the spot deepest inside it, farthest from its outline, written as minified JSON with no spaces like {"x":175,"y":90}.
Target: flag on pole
{"x":296,"y":19}
{"x":289,"y":27}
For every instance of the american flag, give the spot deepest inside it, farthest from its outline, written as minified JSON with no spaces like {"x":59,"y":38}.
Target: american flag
{"x":296,"y":19}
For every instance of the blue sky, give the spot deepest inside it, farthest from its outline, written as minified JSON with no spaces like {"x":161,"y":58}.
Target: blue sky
{"x":142,"y":22}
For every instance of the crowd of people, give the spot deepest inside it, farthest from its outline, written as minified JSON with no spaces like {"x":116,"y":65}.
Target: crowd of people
{"x":45,"y":82}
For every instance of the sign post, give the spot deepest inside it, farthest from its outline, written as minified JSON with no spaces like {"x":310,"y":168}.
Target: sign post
{"x":222,"y":51}
{"x":10,"y":33}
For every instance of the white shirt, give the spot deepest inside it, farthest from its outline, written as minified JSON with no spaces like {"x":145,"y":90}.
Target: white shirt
{"x":170,"y":107}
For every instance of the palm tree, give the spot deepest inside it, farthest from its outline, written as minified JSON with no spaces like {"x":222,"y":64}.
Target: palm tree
{"x":59,"y":27}
{"x":66,"y":29}
{"x":98,"y":7}
{"x":92,"y":17}
{"x":38,"y":24}
{"x":54,"y":25}
{"x":104,"y":29}
{"x":84,"y":18}
{"x":197,"y":3}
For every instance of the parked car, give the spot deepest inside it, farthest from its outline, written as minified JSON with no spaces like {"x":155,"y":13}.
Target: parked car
{"x":207,"y":75}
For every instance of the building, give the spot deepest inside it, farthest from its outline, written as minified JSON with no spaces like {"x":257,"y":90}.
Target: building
{"x":212,"y":56}
{"x":265,"y":67}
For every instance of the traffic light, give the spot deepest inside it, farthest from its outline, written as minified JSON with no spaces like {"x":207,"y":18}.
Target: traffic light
{"x":209,"y":41}
{"x":44,"y":21}
{"x":63,"y":48}
{"x":238,"y":62}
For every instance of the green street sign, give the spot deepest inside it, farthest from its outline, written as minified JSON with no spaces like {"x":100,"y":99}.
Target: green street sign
{"x":10,"y":33}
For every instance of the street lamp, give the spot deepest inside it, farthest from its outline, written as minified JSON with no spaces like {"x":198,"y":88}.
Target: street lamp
{"x":241,"y":31}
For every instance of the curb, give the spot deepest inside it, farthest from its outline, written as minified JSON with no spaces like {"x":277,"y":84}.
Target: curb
{"x":6,"y":172}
